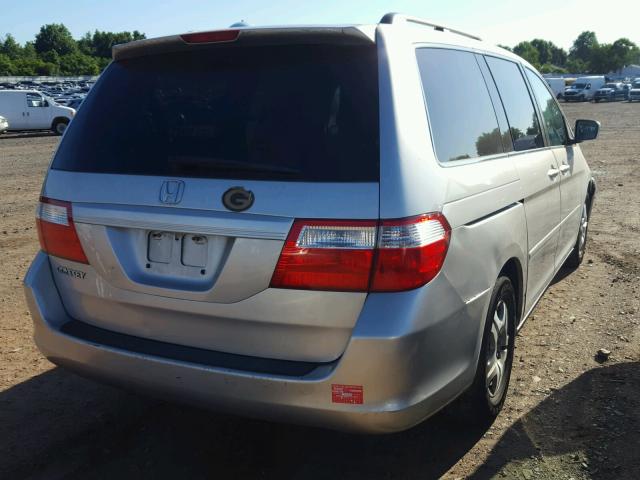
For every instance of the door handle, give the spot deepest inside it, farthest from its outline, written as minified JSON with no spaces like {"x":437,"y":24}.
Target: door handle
{"x":564,"y":168}
{"x":553,"y":172}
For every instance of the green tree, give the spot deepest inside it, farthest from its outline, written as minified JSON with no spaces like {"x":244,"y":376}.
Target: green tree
{"x":78,"y":64}
{"x":35,"y":66}
{"x":102,"y":62}
{"x":602,"y":60}
{"x":625,"y":52}
{"x":612,"y":57}
{"x":55,"y":37}
{"x":576,"y":66}
{"x":544,"y":48}
{"x":102,"y":42}
{"x":10,"y":47}
{"x":50,"y":57}
{"x":29,"y":51}
{"x":6,"y":65}
{"x":85,"y":44}
{"x":558,"y":55}
{"x":583,"y":47}
{"x":527,"y":51}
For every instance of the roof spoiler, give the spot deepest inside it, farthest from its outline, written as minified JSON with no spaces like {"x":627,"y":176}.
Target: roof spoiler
{"x":347,"y":35}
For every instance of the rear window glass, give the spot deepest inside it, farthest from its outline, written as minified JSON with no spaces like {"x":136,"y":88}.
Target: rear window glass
{"x":299,"y":113}
{"x":463,"y":121}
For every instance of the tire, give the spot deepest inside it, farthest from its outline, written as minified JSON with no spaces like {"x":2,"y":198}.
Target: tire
{"x":484,"y":399}
{"x":59,"y":126}
{"x":577,"y":254}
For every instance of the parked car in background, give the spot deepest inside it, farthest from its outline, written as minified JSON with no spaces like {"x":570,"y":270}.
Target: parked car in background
{"x":30,"y":110}
{"x":557,"y":86}
{"x":4,"y":124}
{"x":611,"y":92}
{"x":75,"y":103}
{"x":328,"y":236}
{"x":634,"y":93}
{"x":583,"y":89}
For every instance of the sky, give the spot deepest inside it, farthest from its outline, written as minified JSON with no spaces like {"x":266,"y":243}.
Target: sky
{"x":497,"y":21}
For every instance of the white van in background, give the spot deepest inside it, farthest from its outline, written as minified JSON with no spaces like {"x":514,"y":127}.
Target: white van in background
{"x":557,"y":85}
{"x":584,"y":89}
{"x":30,"y":110}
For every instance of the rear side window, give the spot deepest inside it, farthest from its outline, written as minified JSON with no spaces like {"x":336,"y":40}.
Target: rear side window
{"x":463,"y":121}
{"x":299,"y":113}
{"x":521,"y":115}
{"x":551,"y":114}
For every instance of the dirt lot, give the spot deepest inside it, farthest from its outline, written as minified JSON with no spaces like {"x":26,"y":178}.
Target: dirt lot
{"x":567,"y":416}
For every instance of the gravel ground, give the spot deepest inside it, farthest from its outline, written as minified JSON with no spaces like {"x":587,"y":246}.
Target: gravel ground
{"x":567,"y":416}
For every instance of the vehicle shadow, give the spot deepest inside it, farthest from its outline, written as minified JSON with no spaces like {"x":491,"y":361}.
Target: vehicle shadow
{"x":58,"y":425}
{"x":27,"y":134}
{"x":589,"y":427}
{"x":563,"y":273}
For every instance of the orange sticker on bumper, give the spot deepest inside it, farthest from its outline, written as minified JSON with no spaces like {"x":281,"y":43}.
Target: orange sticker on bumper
{"x":353,"y":394}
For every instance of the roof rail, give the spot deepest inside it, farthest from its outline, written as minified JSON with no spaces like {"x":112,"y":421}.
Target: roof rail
{"x":391,"y":18}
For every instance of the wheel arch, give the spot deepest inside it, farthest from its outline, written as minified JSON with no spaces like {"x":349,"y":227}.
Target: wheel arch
{"x":512,"y":269}
{"x":591,"y":193}
{"x":59,"y":118}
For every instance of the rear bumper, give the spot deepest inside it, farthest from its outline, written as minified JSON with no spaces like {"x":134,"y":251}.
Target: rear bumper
{"x":405,"y":376}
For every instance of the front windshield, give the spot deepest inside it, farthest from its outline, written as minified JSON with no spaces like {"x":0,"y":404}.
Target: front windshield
{"x":579,"y":86}
{"x":636,"y":85}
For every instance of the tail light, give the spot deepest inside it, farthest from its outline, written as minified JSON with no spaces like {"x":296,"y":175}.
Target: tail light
{"x":327,"y":255}
{"x":363,"y":255}
{"x":56,"y":231}
{"x":410,"y":252}
{"x":211,"y":37}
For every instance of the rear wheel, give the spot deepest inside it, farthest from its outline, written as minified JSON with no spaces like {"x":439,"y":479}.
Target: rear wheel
{"x":486,"y":396}
{"x":575,"y":259}
{"x":59,"y":126}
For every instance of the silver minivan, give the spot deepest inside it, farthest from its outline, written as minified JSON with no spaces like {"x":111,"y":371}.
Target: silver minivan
{"x":342,"y":226}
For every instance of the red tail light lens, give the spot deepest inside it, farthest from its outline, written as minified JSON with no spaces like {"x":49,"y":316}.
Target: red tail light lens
{"x":327,"y":255}
{"x":56,"y":231}
{"x":363,"y":255}
{"x":410,"y":252}
{"x":211,"y":37}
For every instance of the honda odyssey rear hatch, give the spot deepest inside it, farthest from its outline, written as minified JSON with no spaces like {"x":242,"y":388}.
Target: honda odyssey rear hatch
{"x":169,"y":200}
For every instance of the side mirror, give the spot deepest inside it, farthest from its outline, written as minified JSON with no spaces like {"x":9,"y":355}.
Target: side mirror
{"x":45,"y":104}
{"x":586,"y":130}
{"x":588,"y":86}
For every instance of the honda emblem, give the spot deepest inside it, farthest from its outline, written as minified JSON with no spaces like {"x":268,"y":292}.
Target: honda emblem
{"x":171,"y":191}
